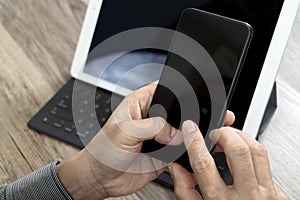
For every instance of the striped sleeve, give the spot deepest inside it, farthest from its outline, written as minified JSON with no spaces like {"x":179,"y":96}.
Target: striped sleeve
{"x":40,"y":184}
{"x":2,"y":193}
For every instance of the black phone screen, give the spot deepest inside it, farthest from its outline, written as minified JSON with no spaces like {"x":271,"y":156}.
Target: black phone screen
{"x":189,"y":98}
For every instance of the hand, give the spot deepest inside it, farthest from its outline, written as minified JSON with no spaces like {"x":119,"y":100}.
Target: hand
{"x":111,"y":165}
{"x":247,"y":160}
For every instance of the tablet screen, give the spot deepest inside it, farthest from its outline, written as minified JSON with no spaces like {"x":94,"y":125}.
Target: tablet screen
{"x":118,"y":16}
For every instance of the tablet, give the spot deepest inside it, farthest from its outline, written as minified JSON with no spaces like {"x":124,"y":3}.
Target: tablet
{"x":271,"y":22}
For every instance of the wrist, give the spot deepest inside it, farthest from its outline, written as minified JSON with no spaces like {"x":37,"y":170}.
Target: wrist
{"x":75,"y":176}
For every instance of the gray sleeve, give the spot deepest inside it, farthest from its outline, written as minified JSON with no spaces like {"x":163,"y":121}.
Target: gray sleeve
{"x":40,"y":184}
{"x":2,"y":193}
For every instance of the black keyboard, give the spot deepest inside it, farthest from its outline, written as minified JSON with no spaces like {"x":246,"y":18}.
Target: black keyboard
{"x":56,"y":117}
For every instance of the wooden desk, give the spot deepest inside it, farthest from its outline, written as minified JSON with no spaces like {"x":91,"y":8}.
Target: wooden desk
{"x":37,"y":43}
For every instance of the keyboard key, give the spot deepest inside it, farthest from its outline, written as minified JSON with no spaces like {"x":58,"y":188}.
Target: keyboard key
{"x":91,"y":126}
{"x":81,"y":135}
{"x":103,"y":120}
{"x":46,"y":120}
{"x":87,"y":93}
{"x":70,"y":127}
{"x":67,"y":97}
{"x":62,"y":114}
{"x":98,"y":96}
{"x":85,"y":102}
{"x":62,"y":105}
{"x":108,"y":101}
{"x":57,"y":125}
{"x":53,"y":112}
{"x":68,"y":130}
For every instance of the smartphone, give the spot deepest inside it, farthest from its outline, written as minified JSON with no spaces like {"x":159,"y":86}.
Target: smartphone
{"x":184,"y":91}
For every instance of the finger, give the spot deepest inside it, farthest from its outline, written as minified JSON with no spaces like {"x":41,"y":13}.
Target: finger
{"x":260,"y":161}
{"x":140,"y":101}
{"x":238,"y":157}
{"x":152,"y":128}
{"x":218,"y":148}
{"x":184,"y":183}
{"x":136,"y":105}
{"x":229,"y":118}
{"x":228,"y":121}
{"x":202,"y":163}
{"x":169,"y":136}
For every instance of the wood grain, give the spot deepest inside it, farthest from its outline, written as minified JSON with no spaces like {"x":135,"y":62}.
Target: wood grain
{"x":37,"y":44}
{"x":23,"y":91}
{"x":47,"y":32}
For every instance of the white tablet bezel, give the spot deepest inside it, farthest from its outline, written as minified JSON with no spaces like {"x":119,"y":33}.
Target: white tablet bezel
{"x":82,"y":50}
{"x":265,"y":82}
{"x":270,"y":68}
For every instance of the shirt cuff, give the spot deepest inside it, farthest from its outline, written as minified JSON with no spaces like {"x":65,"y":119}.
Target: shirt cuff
{"x":40,"y":184}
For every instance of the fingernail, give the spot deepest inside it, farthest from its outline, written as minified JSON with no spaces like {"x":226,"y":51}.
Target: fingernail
{"x":189,"y":127}
{"x":230,"y":111}
{"x":214,"y":135}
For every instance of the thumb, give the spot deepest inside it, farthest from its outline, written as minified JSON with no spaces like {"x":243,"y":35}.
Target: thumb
{"x":152,"y":128}
{"x":184,"y":183}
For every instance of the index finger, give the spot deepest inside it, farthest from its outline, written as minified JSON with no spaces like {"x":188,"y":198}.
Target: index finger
{"x":202,"y":163}
{"x":229,"y":118}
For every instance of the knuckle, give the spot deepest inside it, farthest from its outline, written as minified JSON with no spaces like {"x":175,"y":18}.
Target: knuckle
{"x":203,"y":165}
{"x":272,"y":195}
{"x":180,"y":193}
{"x":240,"y":150}
{"x":161,"y":120}
{"x":217,"y":192}
{"x":212,"y":193}
{"x":160,"y":124}
{"x":259,"y":150}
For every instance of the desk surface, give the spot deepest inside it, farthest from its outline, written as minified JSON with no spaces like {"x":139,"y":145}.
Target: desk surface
{"x":37,"y":43}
